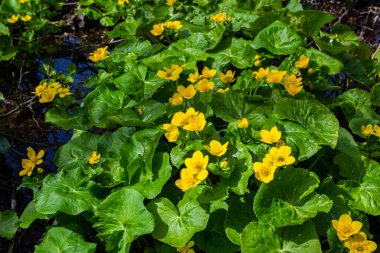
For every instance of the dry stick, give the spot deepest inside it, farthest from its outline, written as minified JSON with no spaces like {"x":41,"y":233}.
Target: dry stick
{"x":19,"y":107}
{"x":377,"y":49}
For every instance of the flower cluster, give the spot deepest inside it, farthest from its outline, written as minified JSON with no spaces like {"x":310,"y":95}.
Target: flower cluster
{"x":99,"y":54}
{"x":349,"y":232}
{"x":47,"y":92}
{"x":370,"y":130}
{"x":277,"y":157}
{"x":29,"y":164}
{"x":194,"y":173}
{"x":14,"y":18}
{"x":220,"y":17}
{"x":159,"y":28}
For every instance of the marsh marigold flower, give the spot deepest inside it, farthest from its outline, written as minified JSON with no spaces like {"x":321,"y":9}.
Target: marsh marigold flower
{"x":367,"y":130}
{"x":279,"y":156}
{"x":158,"y":29}
{"x":172,"y":132}
{"x":243,"y":123}
{"x":193,"y":77}
{"x":121,"y":2}
{"x":170,"y":2}
{"x":257,"y":63}
{"x":220,"y":17}
{"x":195,"y":122}
{"x":187,"y":248}
{"x":187,"y":181}
{"x":94,"y":158}
{"x":292,"y":84}
{"x":171,"y":73}
{"x":63,"y":92}
{"x":302,"y":62}
{"x":223,"y":164}
{"x":12,"y":19}
{"x":22,"y":1}
{"x":376,"y":131}
{"x":345,"y":227}
{"x":173,"y":24}
{"x":99,"y":54}
{"x":359,"y":244}
{"x":26,"y":18}
{"x":188,"y":92}
{"x":176,"y":99}
{"x":208,"y":73}
{"x":33,"y":160}
{"x":220,"y":90}
{"x":260,"y":74}
{"x":204,"y":85}
{"x":264,"y":172}
{"x":216,"y":148}
{"x":48,"y":95}
{"x":181,"y":118}
{"x":272,"y":136}
{"x":197,"y":165}
{"x":227,"y":78}
{"x":275,"y":76}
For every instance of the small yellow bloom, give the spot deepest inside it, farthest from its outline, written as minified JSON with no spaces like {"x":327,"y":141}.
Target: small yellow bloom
{"x":139,"y":111}
{"x":26,"y":18}
{"x":158,"y":29}
{"x":63,"y":92}
{"x":197,"y":165}
{"x":220,"y":17}
{"x":271,"y":136}
{"x":176,"y":99}
{"x":171,"y":73}
{"x":279,"y":156}
{"x":359,"y":244}
{"x":208,"y":73}
{"x":193,"y":77}
{"x":204,"y":85}
{"x":187,"y":181}
{"x":179,"y":119}
{"x":228,"y":77}
{"x":48,"y":95}
{"x":27,"y":166}
{"x":12,"y":19}
{"x":220,"y":90}
{"x":99,"y":54}
{"x":264,"y":172}
{"x":40,"y":170}
{"x":94,"y":158}
{"x":292,"y":84}
{"x":22,"y":1}
{"x":173,"y":24}
{"x":275,"y":76}
{"x":170,"y":2}
{"x":257,"y":57}
{"x":243,"y":123}
{"x":195,"y":122}
{"x":260,"y":74}
{"x":295,"y":72}
{"x":376,"y":131}
{"x":36,"y":159}
{"x":121,"y":2}
{"x":367,"y":130}
{"x":188,"y":92}
{"x":33,"y":160}
{"x":187,"y":248}
{"x":257,"y":63}
{"x":345,"y":227}
{"x":310,"y":71}
{"x":216,"y":148}
{"x":172,"y":132}
{"x":223,"y":164}
{"x":302,"y":62}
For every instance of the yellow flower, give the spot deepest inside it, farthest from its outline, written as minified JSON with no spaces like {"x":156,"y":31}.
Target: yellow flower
{"x":359,"y":244}
{"x":27,"y":166}
{"x":208,"y":73}
{"x":176,"y":99}
{"x":220,"y":90}
{"x":99,"y":54}
{"x":293,"y":89}
{"x":243,"y":123}
{"x":187,"y":248}
{"x":40,"y":89}
{"x":171,"y":73}
{"x":94,"y":158}
{"x":228,"y":77}
{"x":188,"y":180}
{"x":121,"y":2}
{"x":172,"y":132}
{"x":158,"y":29}
{"x":302,"y":62}
{"x":345,"y":227}
{"x":22,"y":1}
{"x":188,"y":92}
{"x":367,"y":130}
{"x":264,"y":172}
{"x":376,"y":130}
{"x":310,"y":71}
{"x":295,"y":72}
{"x":173,"y":24}
{"x":257,"y":63}
{"x":181,"y":118}
{"x":63,"y":92}
{"x":292,"y":84}
{"x":260,"y":74}
{"x":193,"y":77}
{"x":275,"y":76}
{"x":195,"y":122}
{"x":223,"y":164}
{"x":197,"y":165}
{"x":36,"y":159}
{"x":40,"y":170}
{"x":271,"y":136}
{"x":139,"y":111}
{"x":257,"y":57}
{"x":216,"y":148}
{"x":33,"y":160}
{"x":12,"y":19}
{"x":204,"y":85}
{"x":220,"y":17}
{"x":170,"y":2}
{"x":26,"y":18}
{"x":279,"y":156}
{"x":48,"y":95}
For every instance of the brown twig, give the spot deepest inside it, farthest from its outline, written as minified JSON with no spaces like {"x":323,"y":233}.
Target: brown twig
{"x":29,"y":102}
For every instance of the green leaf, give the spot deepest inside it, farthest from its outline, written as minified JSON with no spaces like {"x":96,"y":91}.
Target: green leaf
{"x":107,"y":21}
{"x":176,"y":225}
{"x":10,"y":7}
{"x":77,"y":119}
{"x":126,"y":29}
{"x":309,"y":22}
{"x":333,"y":65}
{"x":4,"y":30}
{"x":29,"y":215}
{"x":375,"y":94}
{"x":365,"y":192}
{"x":284,"y":203}
{"x":313,"y":116}
{"x":66,"y":191}
{"x":9,"y":224}
{"x":258,"y":237}
{"x":59,"y":239}
{"x":123,"y":217}
{"x":239,"y":214}
{"x":279,"y":39}
{"x":355,"y":69}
